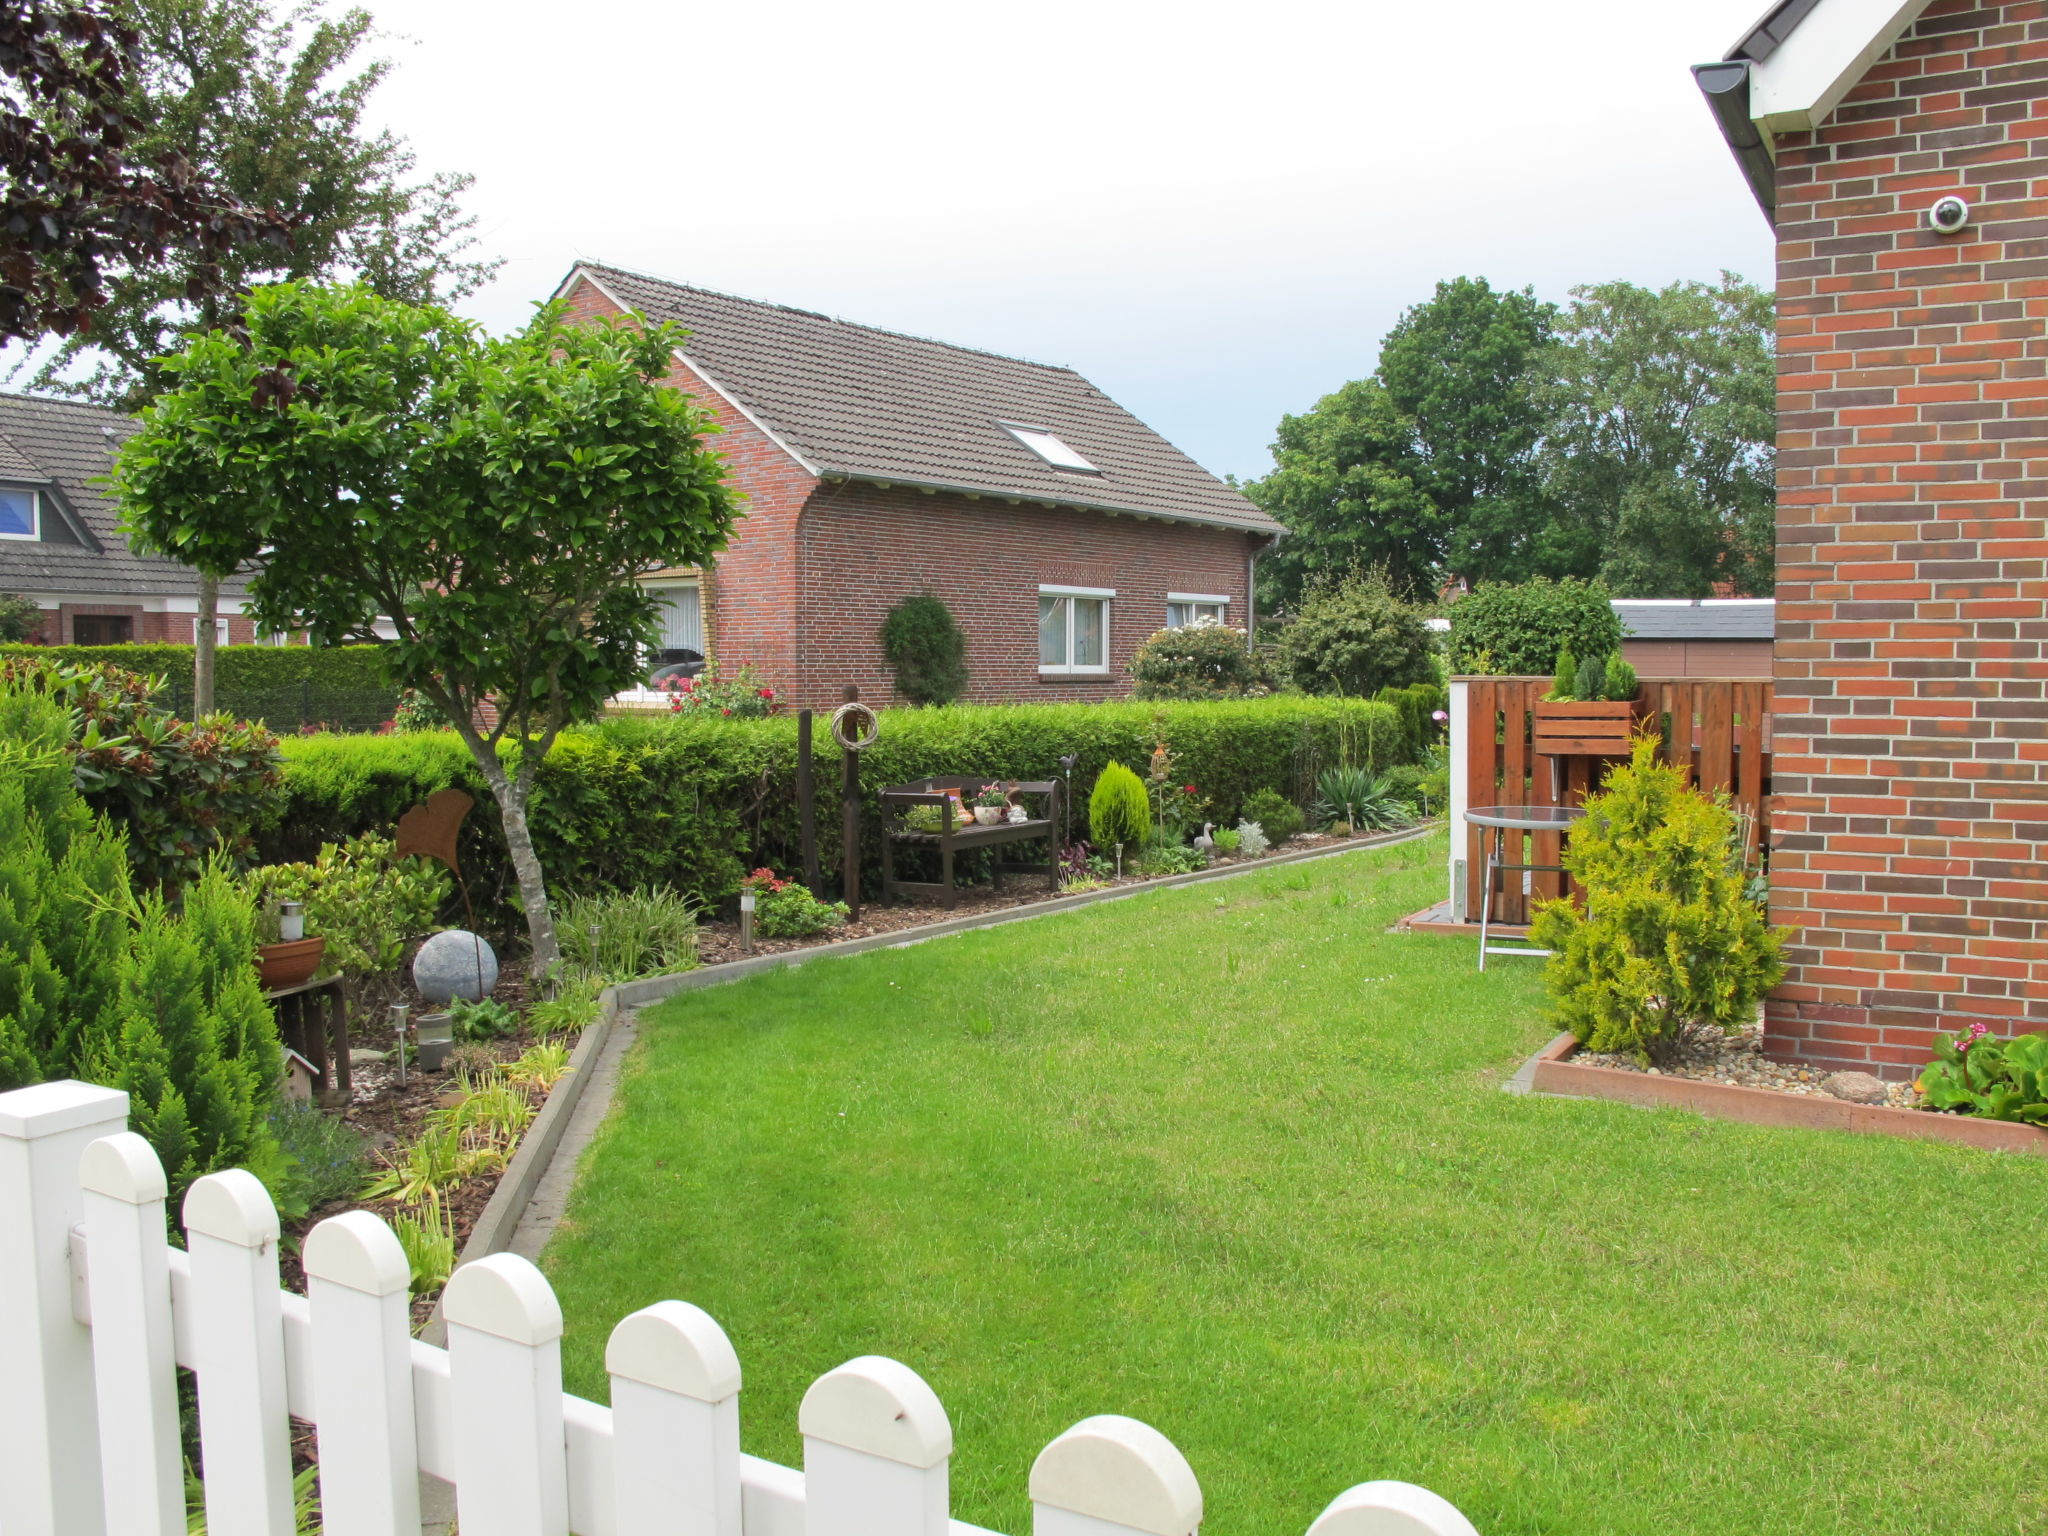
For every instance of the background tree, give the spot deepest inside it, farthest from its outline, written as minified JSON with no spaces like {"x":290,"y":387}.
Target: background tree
{"x":20,"y":618}
{"x":494,"y":500}
{"x":1355,"y":635}
{"x":1663,"y":413}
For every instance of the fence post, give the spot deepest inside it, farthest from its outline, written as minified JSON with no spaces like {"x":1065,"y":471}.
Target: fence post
{"x":1109,"y":1475}
{"x":49,"y":1426}
{"x":876,"y":1443}
{"x":675,"y":1423}
{"x":358,"y":1286}
{"x":134,"y":1358}
{"x":237,"y":1332}
{"x":1460,"y":710}
{"x":1390,"y":1509}
{"x":505,"y":1361}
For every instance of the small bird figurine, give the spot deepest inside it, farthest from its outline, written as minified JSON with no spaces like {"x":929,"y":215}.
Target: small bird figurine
{"x":1205,"y":842}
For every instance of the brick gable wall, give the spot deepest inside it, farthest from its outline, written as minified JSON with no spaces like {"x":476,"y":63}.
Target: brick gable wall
{"x":864,"y":548}
{"x":1911,"y":751}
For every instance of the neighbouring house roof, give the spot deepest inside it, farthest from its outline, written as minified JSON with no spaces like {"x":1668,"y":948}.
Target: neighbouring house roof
{"x":857,"y":403}
{"x":64,"y":448}
{"x":1792,"y":69}
{"x":1715,"y":618}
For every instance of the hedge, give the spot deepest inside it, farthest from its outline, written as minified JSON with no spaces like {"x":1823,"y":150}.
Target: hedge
{"x":285,"y":686}
{"x":694,"y":802}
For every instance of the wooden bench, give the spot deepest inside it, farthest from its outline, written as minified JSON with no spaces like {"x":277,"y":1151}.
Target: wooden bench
{"x":951,"y":839}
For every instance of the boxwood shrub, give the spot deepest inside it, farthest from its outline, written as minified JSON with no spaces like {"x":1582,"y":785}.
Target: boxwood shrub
{"x":285,"y":686}
{"x":695,"y":802}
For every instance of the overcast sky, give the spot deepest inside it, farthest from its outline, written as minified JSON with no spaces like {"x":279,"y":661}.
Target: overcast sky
{"x":1213,"y":211}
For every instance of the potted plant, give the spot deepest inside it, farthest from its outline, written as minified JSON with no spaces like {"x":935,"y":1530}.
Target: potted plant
{"x":991,"y":804}
{"x":1590,"y":709}
{"x":285,"y":957}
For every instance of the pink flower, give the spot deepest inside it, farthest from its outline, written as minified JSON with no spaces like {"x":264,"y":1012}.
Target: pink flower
{"x":1439,"y":715}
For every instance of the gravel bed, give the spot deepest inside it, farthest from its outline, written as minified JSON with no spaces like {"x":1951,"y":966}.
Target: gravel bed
{"x":1739,"y":1059}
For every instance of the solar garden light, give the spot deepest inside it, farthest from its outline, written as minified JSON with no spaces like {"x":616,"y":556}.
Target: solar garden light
{"x":436,"y":1034}
{"x":747,"y":921}
{"x":398,"y":1012}
{"x":291,"y":922}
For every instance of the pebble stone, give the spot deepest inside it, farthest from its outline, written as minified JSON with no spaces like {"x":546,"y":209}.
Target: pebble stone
{"x":1738,"y":1059}
{"x":447,"y":967}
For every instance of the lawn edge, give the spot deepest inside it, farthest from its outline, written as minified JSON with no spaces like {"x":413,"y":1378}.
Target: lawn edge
{"x":1552,"y":1073}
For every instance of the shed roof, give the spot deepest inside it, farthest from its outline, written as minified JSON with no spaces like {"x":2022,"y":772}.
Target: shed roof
{"x":1714,"y":618}
{"x":65,"y":448}
{"x":855,"y":402}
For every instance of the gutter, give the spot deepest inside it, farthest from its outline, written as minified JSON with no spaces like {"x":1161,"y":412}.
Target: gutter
{"x":867,"y":477}
{"x":1726,"y":87}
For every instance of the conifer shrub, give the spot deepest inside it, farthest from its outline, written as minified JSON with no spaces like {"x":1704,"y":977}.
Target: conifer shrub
{"x":97,"y":983}
{"x":1668,"y":947}
{"x":926,"y":648}
{"x":1119,"y":810}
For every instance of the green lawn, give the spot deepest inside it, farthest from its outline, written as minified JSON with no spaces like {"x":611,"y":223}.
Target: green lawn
{"x":1233,"y":1160}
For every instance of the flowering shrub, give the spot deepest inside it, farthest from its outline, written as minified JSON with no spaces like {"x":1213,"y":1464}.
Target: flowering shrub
{"x":1978,"y":1074}
{"x":786,"y":909}
{"x":416,"y":712}
{"x":741,"y":696}
{"x":1202,"y":660}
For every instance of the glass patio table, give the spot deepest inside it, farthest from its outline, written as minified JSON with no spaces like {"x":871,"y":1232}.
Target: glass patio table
{"x":1501,"y":820}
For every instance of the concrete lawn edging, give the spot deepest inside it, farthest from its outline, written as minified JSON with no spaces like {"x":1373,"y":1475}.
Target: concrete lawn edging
{"x":652,"y":989}
{"x":1552,"y":1071}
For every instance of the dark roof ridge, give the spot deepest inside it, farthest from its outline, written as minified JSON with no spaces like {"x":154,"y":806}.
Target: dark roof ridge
{"x":818,"y":314}
{"x":31,"y":398}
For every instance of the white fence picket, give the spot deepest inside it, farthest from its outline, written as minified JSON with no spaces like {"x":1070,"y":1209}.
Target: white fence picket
{"x":1390,"y":1509}
{"x":876,"y":1447}
{"x":49,"y":1441}
{"x":93,"y":1364}
{"x":1109,"y":1476}
{"x":245,"y":1440}
{"x":134,"y":1356}
{"x":505,"y":1358}
{"x":358,"y":1286}
{"x":676,"y":1423}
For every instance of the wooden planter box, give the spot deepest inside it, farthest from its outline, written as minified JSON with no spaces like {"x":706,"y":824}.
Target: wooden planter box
{"x":1599,"y":729}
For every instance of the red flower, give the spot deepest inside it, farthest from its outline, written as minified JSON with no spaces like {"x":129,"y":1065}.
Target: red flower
{"x":1187,"y":789}
{"x":766,"y":693}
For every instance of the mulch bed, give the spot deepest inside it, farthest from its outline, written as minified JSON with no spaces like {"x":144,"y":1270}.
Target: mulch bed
{"x":719,"y":941}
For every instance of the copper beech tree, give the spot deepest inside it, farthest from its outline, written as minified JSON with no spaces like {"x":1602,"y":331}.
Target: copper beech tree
{"x":492,"y":501}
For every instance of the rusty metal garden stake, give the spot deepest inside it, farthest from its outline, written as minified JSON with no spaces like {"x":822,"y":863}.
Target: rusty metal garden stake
{"x":807,"y":803}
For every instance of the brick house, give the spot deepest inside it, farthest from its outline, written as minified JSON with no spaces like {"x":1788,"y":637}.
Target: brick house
{"x":60,"y":543}
{"x":1911,"y":772}
{"x":1059,"y":529}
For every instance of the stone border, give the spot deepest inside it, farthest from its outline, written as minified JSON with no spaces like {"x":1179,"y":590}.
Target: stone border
{"x":652,"y":989}
{"x":1551,"y":1071}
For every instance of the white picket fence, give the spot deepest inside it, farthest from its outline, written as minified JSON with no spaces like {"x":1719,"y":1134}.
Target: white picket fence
{"x":97,"y":1309}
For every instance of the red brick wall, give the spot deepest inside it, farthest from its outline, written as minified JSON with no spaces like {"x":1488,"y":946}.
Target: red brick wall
{"x":863,"y":549}
{"x":1911,"y":770}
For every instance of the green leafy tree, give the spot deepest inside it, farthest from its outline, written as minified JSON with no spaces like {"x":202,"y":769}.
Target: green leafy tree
{"x":493,"y":500}
{"x":20,"y":619}
{"x":1668,"y":946}
{"x":1461,"y":367}
{"x":266,"y":102}
{"x":925,"y":646}
{"x":1345,"y":483}
{"x":1512,"y":629}
{"x":1663,"y":415}
{"x":1356,"y":636}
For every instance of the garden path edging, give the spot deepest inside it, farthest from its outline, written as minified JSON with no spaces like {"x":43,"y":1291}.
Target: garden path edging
{"x":652,"y":989}
{"x":1551,"y":1071}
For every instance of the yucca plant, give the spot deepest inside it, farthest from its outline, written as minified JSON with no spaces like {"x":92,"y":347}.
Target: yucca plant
{"x":1366,"y":800}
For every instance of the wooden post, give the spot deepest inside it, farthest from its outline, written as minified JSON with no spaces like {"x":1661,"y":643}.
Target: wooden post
{"x":357,"y":1285}
{"x":505,"y":1359}
{"x":876,"y":1448}
{"x":1113,"y":1476}
{"x":675,"y":1424}
{"x":849,"y":805}
{"x":1372,"y":1509}
{"x":807,"y":802}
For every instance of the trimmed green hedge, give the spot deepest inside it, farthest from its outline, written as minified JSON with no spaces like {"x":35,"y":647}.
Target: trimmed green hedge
{"x":694,"y":802}
{"x":285,"y":686}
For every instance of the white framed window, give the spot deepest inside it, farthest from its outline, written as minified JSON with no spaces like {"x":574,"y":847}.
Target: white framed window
{"x":1073,"y":630}
{"x":1185,"y":608}
{"x":21,"y":513}
{"x":220,"y":630}
{"x":1042,"y":442}
{"x":272,"y":637}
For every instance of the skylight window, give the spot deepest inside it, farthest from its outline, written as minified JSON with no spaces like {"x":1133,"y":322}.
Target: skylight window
{"x":1049,"y":448}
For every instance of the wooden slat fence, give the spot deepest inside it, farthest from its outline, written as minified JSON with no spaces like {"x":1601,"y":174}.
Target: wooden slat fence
{"x":1719,"y":728}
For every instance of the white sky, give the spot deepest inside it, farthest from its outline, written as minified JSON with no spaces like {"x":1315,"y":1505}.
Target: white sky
{"x":1213,"y":211}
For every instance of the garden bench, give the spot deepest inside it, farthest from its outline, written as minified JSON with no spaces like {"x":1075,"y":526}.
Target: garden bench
{"x":951,"y":839}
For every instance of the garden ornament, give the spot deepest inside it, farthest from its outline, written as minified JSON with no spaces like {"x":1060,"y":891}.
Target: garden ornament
{"x":452,"y":964}
{"x":856,"y":728}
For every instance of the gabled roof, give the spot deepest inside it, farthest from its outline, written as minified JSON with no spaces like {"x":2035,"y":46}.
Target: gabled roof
{"x":1792,"y":69}
{"x":854,"y":402}
{"x":64,"y":448}
{"x":1715,"y":618}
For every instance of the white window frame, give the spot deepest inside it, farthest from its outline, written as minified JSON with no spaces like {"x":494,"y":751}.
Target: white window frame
{"x":220,"y":629}
{"x":1103,"y":595}
{"x":1196,"y":601}
{"x":35,"y":515}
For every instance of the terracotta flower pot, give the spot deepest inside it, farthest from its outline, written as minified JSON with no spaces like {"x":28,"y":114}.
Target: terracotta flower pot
{"x":1596,"y":729}
{"x":288,"y":965}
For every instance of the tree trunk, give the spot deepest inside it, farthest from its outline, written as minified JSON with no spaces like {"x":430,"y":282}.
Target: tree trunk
{"x":203,"y":632}
{"x":533,"y":892}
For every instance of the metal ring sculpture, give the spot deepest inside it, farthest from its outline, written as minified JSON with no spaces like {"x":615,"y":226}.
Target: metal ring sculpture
{"x":870,"y":728}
